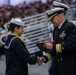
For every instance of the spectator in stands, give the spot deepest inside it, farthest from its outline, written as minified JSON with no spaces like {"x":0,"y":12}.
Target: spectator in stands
{"x":2,"y":38}
{"x":17,"y":55}
{"x":23,"y":10}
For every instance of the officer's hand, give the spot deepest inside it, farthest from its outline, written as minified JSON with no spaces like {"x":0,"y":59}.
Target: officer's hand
{"x":48,"y":46}
{"x":40,"y":60}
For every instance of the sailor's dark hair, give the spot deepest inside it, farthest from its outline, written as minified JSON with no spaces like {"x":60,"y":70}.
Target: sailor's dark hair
{"x":12,"y":26}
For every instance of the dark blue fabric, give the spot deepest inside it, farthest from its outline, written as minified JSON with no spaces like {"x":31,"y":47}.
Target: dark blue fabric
{"x":38,"y":53}
{"x":51,"y":70}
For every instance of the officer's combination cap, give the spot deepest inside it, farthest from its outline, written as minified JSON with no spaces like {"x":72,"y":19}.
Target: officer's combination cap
{"x":53,"y":12}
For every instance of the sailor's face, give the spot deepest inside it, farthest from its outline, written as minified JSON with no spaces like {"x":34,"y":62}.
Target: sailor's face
{"x":20,"y":30}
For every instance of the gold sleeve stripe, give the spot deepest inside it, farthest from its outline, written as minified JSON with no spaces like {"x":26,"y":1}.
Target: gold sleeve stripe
{"x":48,"y":56}
{"x":58,"y":48}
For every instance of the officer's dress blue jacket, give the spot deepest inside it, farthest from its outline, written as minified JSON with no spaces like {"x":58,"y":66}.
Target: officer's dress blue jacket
{"x":64,"y":62}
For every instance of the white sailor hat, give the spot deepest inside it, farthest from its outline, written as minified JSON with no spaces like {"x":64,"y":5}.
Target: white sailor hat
{"x":17,"y":21}
{"x":61,"y":5}
{"x":53,"y":12}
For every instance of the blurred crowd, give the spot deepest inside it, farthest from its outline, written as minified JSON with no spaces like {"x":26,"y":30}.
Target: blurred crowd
{"x":24,"y":10}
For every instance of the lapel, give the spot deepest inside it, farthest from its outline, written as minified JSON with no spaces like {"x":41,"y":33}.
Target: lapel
{"x":59,"y":31}
{"x":62,"y":29}
{"x":63,"y":25}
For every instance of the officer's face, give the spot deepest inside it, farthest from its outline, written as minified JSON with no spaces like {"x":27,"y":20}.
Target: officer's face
{"x":19,"y":31}
{"x":55,"y":20}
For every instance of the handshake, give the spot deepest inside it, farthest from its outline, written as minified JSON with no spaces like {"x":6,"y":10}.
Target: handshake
{"x":40,"y":60}
{"x":48,"y":46}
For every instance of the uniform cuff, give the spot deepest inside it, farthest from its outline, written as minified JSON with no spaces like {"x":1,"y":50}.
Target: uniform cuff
{"x":47,"y":57}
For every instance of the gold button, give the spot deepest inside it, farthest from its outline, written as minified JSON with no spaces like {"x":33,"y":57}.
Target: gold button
{"x":58,"y":59}
{"x":63,"y":42}
{"x":62,"y":38}
{"x":62,"y":47}
{"x":61,"y":59}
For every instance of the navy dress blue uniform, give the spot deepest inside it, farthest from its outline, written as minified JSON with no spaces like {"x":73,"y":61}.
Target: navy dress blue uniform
{"x":17,"y":56}
{"x":61,"y":59}
{"x":63,"y":62}
{"x":61,"y":37}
